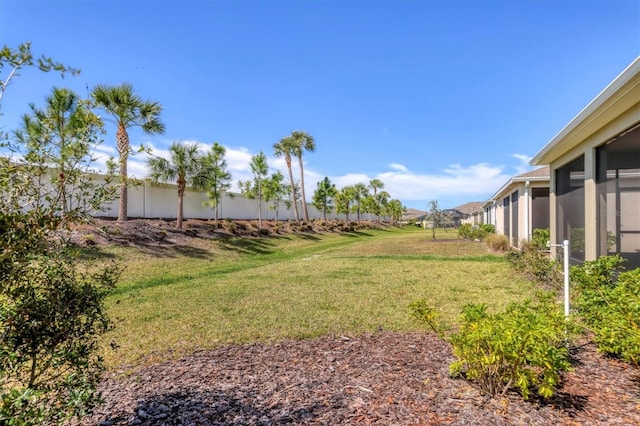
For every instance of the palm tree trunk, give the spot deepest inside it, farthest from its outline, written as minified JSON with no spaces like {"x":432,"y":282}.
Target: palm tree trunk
{"x":293,"y":189}
{"x":181,"y":187}
{"x":122,"y":142}
{"x":304,"y":200}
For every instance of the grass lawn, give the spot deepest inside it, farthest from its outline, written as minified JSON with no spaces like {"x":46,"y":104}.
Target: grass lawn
{"x":296,"y":287}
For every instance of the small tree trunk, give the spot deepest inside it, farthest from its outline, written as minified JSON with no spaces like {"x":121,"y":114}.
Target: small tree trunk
{"x":181,"y":188}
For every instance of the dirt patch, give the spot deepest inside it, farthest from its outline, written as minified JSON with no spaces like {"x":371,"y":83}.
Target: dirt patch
{"x":385,"y":379}
{"x":144,"y":233}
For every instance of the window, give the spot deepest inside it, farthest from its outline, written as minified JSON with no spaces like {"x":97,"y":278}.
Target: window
{"x":506,"y":228}
{"x":539,"y":208}
{"x":570,"y":207}
{"x":514,"y":219}
{"x":618,"y":192}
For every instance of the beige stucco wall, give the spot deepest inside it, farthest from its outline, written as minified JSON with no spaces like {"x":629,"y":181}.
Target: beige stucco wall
{"x":587,"y":147}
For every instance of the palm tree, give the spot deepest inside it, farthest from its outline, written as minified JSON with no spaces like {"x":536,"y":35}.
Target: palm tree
{"x":376,"y":184}
{"x":343,"y":199}
{"x":184,"y":167}
{"x":285,"y":148}
{"x":360,"y":192}
{"x":128,"y":110}
{"x":302,"y":141}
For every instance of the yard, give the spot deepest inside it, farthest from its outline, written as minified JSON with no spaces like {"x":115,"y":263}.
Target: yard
{"x":313,"y":328}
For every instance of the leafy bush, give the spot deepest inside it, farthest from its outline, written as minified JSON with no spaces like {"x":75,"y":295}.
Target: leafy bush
{"x":523,"y":347}
{"x":609,"y":303}
{"x":467,"y":231}
{"x":51,"y":298}
{"x":536,"y":265}
{"x":497,"y":242}
{"x":540,"y":238}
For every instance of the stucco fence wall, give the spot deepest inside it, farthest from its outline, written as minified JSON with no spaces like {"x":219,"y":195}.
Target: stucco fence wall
{"x":161,"y":201}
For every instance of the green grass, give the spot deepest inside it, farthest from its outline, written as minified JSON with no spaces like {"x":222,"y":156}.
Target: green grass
{"x":296,"y":287}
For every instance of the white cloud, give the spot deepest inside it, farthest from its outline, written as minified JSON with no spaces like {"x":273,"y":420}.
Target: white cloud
{"x":524,"y":166}
{"x":455,"y":183}
{"x":399,"y":167}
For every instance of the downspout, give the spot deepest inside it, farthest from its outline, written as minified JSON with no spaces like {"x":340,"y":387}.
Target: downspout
{"x":527,"y":184}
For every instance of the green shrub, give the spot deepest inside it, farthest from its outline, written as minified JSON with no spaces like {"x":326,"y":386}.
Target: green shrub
{"x":536,"y":265}
{"x":467,"y":231}
{"x":540,"y":238}
{"x":610,"y":307}
{"x":523,"y":348}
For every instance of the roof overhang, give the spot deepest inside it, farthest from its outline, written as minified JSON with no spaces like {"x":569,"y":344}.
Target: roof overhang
{"x":514,"y":182}
{"x":619,"y":96}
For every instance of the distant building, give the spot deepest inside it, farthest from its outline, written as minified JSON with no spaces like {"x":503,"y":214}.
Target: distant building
{"x":520,"y":206}
{"x":471,"y":213}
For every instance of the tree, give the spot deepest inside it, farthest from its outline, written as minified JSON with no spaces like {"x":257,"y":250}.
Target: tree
{"x":360,"y":191}
{"x":324,"y":195}
{"x":376,"y":184}
{"x":61,"y":138}
{"x":219,"y":178}
{"x":128,"y":110}
{"x":51,"y":300}
{"x":21,"y":57}
{"x":302,"y":141}
{"x":185,"y":168}
{"x":382,"y":199}
{"x":370,"y":205}
{"x":276,"y":189}
{"x":285,"y":148}
{"x":252,"y":189}
{"x":395,"y":210}
{"x":435,"y":215}
{"x":343,"y":199}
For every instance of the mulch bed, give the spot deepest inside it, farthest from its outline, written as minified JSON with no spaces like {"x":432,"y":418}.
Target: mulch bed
{"x":383,"y":379}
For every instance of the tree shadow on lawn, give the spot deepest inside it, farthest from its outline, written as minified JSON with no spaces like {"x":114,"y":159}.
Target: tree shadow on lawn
{"x":247,"y":246}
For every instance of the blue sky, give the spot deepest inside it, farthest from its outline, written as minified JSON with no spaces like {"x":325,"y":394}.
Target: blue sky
{"x":440,"y":100}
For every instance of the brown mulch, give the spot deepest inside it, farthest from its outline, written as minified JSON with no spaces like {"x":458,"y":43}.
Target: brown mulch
{"x":383,"y":379}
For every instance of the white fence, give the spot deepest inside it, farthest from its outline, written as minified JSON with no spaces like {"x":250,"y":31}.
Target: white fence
{"x":161,"y":201}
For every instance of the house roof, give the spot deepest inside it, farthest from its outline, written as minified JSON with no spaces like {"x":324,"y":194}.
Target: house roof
{"x":413,"y":214}
{"x":468,"y":208}
{"x":541,"y":174}
{"x":619,"y":96}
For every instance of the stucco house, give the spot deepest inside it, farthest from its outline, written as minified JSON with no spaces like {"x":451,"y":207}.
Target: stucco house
{"x":471,"y":213}
{"x":595,"y":174}
{"x":520,"y":206}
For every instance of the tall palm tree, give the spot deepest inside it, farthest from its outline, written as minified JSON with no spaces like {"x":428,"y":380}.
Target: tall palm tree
{"x":285,"y":148}
{"x":128,"y":110}
{"x":302,"y":141}
{"x":184,"y":167}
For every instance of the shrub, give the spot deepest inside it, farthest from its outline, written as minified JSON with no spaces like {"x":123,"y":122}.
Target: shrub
{"x":497,"y":242}
{"x":540,"y":238}
{"x":610,"y":305}
{"x":523,"y":347}
{"x":536,"y":265}
{"x":465,"y":231}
